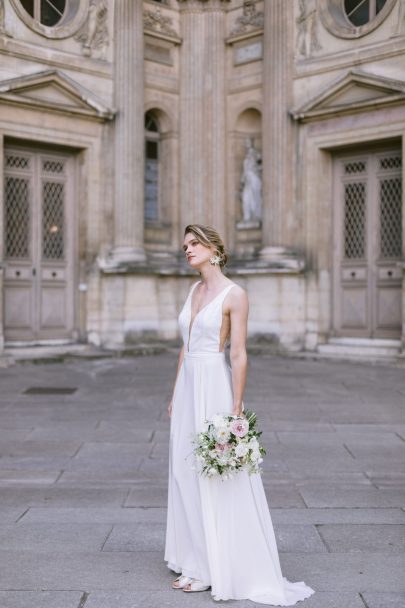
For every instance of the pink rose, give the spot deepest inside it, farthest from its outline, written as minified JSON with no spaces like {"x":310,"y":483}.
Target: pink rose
{"x":222,"y":447}
{"x":240,"y":427}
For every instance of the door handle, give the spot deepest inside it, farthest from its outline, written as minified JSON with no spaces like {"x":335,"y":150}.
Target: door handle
{"x":34,"y":272}
{"x":353,"y":274}
{"x":389,"y":273}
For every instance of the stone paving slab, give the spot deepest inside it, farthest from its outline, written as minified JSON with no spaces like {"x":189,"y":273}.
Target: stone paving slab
{"x":63,"y":496}
{"x":374,"y":538}
{"x":384,"y":600}
{"x":61,"y":537}
{"x":353,"y":496}
{"x":40,"y":599}
{"x":96,"y":515}
{"x":340,"y":572}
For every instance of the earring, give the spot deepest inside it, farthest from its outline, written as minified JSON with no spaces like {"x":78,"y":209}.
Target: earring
{"x":215,"y":260}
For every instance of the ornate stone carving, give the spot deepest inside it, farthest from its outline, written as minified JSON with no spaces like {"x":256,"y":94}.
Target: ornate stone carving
{"x":3,"y":31}
{"x":307,"y":24}
{"x":94,"y":34}
{"x":158,"y":22}
{"x":2,"y":27}
{"x":251,"y":185}
{"x":400,"y":22}
{"x":251,"y":19}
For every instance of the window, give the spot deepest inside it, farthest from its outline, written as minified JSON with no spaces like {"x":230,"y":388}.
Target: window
{"x":152,"y":145}
{"x":52,"y":18}
{"x":360,"y":12}
{"x":354,"y":18}
{"x":47,"y":12}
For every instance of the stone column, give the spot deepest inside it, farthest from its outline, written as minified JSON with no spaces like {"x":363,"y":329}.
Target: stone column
{"x":202,"y":113}
{"x":278,"y":153}
{"x":129,"y":132}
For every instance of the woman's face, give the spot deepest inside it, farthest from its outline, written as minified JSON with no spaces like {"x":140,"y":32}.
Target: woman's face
{"x":197,"y":254}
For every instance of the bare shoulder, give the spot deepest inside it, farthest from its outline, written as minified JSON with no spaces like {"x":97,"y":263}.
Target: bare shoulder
{"x":237,"y":297}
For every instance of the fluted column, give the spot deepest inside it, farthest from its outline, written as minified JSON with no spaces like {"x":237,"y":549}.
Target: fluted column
{"x":129,"y":131}
{"x":278,"y":163}
{"x":202,"y":113}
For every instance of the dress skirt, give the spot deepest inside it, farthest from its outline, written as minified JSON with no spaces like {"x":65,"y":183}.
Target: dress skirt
{"x":219,"y":532}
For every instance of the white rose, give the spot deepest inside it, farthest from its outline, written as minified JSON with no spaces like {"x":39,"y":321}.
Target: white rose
{"x":218,"y":421}
{"x":212,"y":471}
{"x":241,"y":450}
{"x":222,"y":434}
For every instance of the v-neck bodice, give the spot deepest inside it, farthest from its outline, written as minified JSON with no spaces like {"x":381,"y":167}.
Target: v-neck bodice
{"x":203,"y":334}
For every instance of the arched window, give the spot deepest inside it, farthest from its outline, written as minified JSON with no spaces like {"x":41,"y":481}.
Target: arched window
{"x":46,"y":12}
{"x":360,"y":12}
{"x":152,"y":149}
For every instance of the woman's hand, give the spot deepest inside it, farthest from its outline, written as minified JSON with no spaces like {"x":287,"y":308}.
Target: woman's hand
{"x":237,"y":411}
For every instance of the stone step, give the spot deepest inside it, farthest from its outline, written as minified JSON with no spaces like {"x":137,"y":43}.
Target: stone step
{"x":361,"y":348}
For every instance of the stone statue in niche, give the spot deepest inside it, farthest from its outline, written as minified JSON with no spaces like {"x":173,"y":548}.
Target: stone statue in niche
{"x":251,"y":187}
{"x":307,"y":25}
{"x":400,"y":22}
{"x":155,"y":20}
{"x":94,"y":34}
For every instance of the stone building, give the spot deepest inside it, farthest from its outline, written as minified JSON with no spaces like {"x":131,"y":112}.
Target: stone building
{"x":280,"y":122}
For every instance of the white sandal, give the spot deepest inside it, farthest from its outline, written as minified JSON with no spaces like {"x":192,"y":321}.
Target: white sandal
{"x":196,"y":585}
{"x":182,"y":580}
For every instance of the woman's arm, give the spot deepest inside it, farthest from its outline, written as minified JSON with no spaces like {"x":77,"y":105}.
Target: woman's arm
{"x":181,"y":357}
{"x":238,"y":310}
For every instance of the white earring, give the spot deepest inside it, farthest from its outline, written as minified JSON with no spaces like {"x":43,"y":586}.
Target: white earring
{"x":215,"y":260}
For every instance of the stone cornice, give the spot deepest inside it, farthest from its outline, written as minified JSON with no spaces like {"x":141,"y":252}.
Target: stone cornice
{"x":202,"y":6}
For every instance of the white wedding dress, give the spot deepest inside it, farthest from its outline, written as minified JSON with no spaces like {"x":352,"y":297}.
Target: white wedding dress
{"x":219,"y":532}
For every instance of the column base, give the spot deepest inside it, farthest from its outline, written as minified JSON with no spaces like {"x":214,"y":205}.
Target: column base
{"x":284,"y":257}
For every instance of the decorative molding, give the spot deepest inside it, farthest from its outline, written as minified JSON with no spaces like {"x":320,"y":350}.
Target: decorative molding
{"x":156,"y":21}
{"x":3,"y":31}
{"x":94,"y":35}
{"x":355,"y":91}
{"x":52,"y":90}
{"x":250,"y":20}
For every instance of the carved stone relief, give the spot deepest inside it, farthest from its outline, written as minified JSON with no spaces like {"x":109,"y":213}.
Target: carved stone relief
{"x":158,"y":22}
{"x":400,"y":22}
{"x":94,"y":34}
{"x":250,"y":20}
{"x":307,"y":29}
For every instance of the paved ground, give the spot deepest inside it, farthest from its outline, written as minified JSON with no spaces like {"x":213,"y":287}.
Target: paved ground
{"x":83,"y":482}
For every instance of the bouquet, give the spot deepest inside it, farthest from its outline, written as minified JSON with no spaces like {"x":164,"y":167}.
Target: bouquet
{"x":228,"y":444}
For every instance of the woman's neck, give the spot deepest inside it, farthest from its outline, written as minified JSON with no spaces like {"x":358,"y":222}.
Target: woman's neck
{"x":211,"y":277}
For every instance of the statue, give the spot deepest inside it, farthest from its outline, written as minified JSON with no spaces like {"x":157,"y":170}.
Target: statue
{"x":307,"y":35}
{"x":251,"y":183}
{"x":400,"y":22}
{"x":94,"y":34}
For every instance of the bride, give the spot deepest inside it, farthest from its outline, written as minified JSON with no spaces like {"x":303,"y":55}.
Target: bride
{"x":219,"y":534}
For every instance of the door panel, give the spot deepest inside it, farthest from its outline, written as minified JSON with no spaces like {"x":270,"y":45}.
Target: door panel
{"x":39,"y":245}
{"x":368,"y":245}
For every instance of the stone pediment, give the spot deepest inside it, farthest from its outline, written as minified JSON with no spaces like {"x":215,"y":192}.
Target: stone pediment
{"x":52,"y":90}
{"x":355,"y":91}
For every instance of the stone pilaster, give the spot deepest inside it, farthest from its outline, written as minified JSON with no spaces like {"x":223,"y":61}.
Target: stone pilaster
{"x":129,"y":131}
{"x":278,"y":157}
{"x":202,"y":113}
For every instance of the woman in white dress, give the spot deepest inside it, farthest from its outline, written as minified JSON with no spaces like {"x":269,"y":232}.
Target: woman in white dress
{"x":219,"y":534}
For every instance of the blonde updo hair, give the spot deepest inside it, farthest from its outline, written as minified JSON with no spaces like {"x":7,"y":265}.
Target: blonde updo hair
{"x":208,"y":237}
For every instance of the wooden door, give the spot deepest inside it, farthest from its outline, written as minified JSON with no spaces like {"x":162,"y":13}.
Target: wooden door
{"x":367,"y":297}
{"x":38,"y":245}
